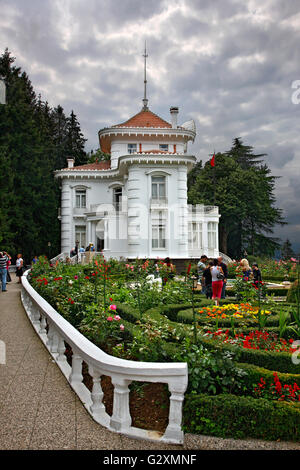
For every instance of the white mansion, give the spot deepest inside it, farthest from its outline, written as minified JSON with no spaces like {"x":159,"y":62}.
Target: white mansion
{"x":135,"y":205}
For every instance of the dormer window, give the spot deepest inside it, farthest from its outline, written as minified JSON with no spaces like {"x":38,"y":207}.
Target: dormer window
{"x":164,"y":147}
{"x":132,"y":148}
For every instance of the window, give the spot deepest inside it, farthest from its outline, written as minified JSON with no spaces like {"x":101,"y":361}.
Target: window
{"x":212,"y":234}
{"x":80,"y":235}
{"x":158,"y":187}
{"x":164,"y":147}
{"x":80,"y":198}
{"x":195,"y":235}
{"x":158,"y":231}
{"x":132,"y":148}
{"x":117,"y":198}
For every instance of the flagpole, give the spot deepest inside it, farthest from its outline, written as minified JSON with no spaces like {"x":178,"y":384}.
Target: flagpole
{"x":213,"y":164}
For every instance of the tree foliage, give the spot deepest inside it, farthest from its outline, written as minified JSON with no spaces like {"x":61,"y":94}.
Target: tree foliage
{"x":243,"y":188}
{"x":35,"y":140}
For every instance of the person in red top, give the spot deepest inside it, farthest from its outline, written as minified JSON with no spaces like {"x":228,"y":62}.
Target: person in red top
{"x":217,"y":276}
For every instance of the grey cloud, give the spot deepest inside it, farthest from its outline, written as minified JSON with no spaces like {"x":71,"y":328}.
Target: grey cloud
{"x":214,"y":60}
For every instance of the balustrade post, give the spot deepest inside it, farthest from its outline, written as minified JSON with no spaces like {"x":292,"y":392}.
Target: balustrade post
{"x":43,"y":325}
{"x":61,"y":350}
{"x":121,"y":419}
{"x":174,"y":431}
{"x":97,"y":408}
{"x":76,"y":373}
{"x":53,"y":340}
{"x":35,"y":315}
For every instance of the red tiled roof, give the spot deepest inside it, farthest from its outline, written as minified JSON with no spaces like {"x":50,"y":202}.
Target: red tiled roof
{"x":104,"y":165}
{"x":145,"y":119}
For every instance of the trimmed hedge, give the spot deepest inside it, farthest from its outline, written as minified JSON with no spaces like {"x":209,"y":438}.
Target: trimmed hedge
{"x":277,"y":292}
{"x":254,"y":374}
{"x":279,"y":361}
{"x":241,"y":417}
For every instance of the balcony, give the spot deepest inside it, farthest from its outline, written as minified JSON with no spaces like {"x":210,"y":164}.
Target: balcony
{"x":158,"y":203}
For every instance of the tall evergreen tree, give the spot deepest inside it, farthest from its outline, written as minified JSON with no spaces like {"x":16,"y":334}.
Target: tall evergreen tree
{"x":34,"y":141}
{"x":243,"y":189}
{"x":75,"y":141}
{"x":287,"y":251}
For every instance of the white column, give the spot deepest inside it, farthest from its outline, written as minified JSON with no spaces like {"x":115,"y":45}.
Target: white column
{"x":133,"y":204}
{"x":66,"y":217}
{"x":183,"y":212}
{"x":205,"y":238}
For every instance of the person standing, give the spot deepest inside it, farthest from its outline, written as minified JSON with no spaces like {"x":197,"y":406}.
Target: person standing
{"x":200,"y":268}
{"x":256,"y":273}
{"x":8,"y":278}
{"x":208,"y":280}
{"x":34,"y":260}
{"x":225,"y":271}
{"x":3,"y":270}
{"x":19,"y":267}
{"x":217,"y":277}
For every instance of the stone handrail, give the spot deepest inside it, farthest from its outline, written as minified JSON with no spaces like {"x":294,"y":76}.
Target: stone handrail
{"x":55,"y":331}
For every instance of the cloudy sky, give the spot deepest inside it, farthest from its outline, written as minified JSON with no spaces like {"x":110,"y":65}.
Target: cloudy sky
{"x":232,"y":66}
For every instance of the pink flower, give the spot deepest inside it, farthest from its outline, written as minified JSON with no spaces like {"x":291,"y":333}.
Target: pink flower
{"x":293,"y":259}
{"x":116,"y":317}
{"x":112,"y":307}
{"x":109,"y":318}
{"x":122,"y":327}
{"x":75,"y":277}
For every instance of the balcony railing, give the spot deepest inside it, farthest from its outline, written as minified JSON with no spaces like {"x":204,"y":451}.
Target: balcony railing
{"x":158,"y":202}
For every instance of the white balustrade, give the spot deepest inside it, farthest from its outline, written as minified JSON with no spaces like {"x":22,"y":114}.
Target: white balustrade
{"x":122,"y":372}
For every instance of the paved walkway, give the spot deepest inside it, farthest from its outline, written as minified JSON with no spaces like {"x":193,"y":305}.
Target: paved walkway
{"x":39,"y":410}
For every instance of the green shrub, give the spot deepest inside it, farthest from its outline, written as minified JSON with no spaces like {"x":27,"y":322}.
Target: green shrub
{"x":279,"y":361}
{"x":241,"y":417}
{"x":255,"y":373}
{"x":293,"y":293}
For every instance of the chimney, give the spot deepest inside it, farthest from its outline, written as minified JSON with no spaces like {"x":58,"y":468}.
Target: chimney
{"x":174,"y":113}
{"x":70,"y":162}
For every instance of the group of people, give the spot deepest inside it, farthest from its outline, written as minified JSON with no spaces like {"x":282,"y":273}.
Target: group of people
{"x":5,"y":262}
{"x":213,"y":275}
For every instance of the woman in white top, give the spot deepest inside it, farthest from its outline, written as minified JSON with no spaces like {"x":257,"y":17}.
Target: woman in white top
{"x":19,"y":267}
{"x":217,"y":276}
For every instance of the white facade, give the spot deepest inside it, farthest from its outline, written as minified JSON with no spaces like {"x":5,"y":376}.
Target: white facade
{"x":136,"y":204}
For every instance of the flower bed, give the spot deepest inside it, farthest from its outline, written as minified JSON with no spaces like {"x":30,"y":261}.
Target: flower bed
{"x":133,"y":318}
{"x":259,"y":340}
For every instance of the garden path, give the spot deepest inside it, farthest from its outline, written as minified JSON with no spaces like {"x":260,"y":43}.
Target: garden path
{"x":39,"y":410}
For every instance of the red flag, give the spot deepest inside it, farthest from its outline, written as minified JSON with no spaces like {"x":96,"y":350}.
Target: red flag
{"x":189,"y":269}
{"x":212,"y":161}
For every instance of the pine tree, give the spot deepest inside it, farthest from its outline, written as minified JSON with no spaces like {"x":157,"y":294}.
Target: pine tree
{"x":243,"y":154}
{"x":75,"y":141}
{"x":287,"y":251}
{"x":34,"y":141}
